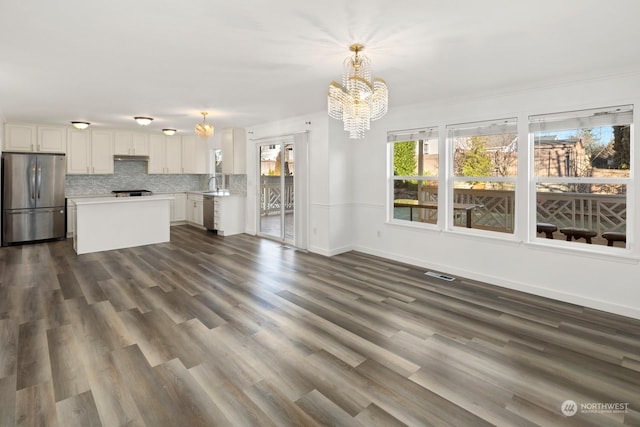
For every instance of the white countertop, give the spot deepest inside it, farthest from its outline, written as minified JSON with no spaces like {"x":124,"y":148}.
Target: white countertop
{"x":218,"y":193}
{"x":113,"y":199}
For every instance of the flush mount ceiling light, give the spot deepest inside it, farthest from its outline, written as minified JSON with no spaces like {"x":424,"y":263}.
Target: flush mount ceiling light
{"x":80,"y":125}
{"x":204,"y":129}
{"x":143,"y":121}
{"x":169,"y":132}
{"x":359,"y":99}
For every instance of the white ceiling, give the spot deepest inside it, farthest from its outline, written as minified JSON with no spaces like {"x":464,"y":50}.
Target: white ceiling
{"x":251,"y":62}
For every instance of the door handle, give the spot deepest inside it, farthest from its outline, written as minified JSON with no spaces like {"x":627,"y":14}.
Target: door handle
{"x":39,"y":180}
{"x":33,"y":181}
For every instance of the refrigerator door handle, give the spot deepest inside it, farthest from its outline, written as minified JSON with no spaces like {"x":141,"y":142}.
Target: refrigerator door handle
{"x":33,"y":181}
{"x":39,"y":179}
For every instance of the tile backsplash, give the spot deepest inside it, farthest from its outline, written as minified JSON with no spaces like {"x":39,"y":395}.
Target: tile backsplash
{"x":132,"y":175}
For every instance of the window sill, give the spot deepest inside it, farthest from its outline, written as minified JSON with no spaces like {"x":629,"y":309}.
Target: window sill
{"x":585,"y":250}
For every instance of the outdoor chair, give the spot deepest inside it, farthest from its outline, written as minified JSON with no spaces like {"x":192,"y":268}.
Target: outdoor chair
{"x":546,"y":228}
{"x":578,"y":233}
{"x":614,"y":236}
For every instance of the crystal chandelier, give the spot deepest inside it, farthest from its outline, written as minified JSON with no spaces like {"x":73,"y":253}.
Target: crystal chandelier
{"x":359,"y":99}
{"x":204,"y":129}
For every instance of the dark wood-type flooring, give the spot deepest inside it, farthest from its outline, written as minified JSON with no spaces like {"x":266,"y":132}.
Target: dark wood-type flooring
{"x":241,"y":331}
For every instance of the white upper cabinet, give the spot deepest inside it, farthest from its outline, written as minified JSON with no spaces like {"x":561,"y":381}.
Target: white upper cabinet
{"x":131,"y":143}
{"x":102,"y":151}
{"x":234,"y":149}
{"x":32,"y":138}
{"x":195,"y":155}
{"x":165,"y":155}
{"x":89,"y":153}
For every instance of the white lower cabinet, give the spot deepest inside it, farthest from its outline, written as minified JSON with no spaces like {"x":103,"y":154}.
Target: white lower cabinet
{"x":71,"y":218}
{"x":194,"y":209}
{"x":228,"y":217}
{"x":179,"y":207}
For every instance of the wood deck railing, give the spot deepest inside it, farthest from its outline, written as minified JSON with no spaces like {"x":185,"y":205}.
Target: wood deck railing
{"x":597,"y":212}
{"x":271,"y":197}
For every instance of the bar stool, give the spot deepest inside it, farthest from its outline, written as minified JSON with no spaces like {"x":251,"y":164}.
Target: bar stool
{"x":614,"y":236}
{"x":578,"y":233}
{"x":546,"y":228}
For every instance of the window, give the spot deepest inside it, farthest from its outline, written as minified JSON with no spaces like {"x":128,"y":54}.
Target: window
{"x":415,"y":175}
{"x":484,"y":169}
{"x":582,"y":170}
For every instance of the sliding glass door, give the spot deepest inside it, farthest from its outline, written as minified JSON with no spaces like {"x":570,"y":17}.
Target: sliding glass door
{"x":277,"y":168}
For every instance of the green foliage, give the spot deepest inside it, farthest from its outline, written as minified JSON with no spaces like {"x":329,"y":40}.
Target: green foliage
{"x":622,"y":146}
{"x":404,"y":158}
{"x":476,"y":161}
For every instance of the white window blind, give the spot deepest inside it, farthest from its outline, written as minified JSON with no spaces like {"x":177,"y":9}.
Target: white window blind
{"x":493,"y":127}
{"x":413,"y":135}
{"x":583,"y":119}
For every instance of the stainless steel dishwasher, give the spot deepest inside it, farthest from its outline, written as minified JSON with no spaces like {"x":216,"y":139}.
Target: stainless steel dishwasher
{"x":208,"y":212}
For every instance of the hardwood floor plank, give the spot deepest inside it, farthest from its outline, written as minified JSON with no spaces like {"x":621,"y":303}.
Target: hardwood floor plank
{"x":196,"y":409}
{"x":69,"y":285}
{"x":147,"y":389}
{"x":373,"y":415}
{"x":280,"y":409}
{"x":78,"y":411}
{"x":114,"y":402}
{"x":8,"y":347}
{"x":33,"y":355}
{"x":159,"y":339}
{"x":236,"y":406}
{"x":324,"y":411}
{"x":69,"y":378}
{"x":98,"y":323}
{"x":8,"y":400}
{"x":35,"y":406}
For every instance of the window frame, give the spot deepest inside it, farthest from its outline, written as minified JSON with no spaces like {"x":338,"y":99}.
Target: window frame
{"x":573,"y":116}
{"x":423,"y":134}
{"x":483,"y":129}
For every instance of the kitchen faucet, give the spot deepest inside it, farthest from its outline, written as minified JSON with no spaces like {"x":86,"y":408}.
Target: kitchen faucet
{"x":215,"y":182}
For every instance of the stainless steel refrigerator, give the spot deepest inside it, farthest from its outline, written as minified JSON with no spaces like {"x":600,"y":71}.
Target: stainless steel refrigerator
{"x":33,"y":203}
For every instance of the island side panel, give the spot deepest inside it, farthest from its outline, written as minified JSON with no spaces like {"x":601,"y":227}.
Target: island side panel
{"x":120,"y":224}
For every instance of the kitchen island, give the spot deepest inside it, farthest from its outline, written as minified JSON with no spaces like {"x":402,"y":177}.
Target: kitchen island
{"x":107,"y":223}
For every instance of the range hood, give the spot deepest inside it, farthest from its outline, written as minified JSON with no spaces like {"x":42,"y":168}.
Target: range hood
{"x":130,"y":158}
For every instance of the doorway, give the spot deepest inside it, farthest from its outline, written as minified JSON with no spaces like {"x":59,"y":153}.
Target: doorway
{"x":276,"y":171}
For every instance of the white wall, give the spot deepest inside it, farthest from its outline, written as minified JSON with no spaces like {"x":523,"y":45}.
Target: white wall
{"x":594,"y":280}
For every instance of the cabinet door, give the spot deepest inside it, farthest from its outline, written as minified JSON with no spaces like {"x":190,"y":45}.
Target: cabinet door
{"x":179,"y":207}
{"x":19,"y":137}
{"x":227,"y":151}
{"x":198,"y":214}
{"x":234,"y":151}
{"x":157,"y":154}
{"x":201,"y":164}
{"x":191,"y":209}
{"x":140,"y":144}
{"x":101,"y":152}
{"x":173,"y":155}
{"x":188,"y":154}
{"x":78,"y":152}
{"x":122,"y":143}
{"x":52,"y":139}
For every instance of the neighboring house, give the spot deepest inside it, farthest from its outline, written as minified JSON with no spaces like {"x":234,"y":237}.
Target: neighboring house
{"x":560,"y":157}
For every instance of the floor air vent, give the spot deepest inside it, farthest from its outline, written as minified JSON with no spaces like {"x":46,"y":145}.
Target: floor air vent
{"x":440,"y":276}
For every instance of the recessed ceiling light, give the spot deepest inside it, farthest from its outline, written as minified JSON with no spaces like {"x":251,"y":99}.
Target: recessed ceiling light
{"x":169,"y":132}
{"x":80,"y":125}
{"x":143,"y":121}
